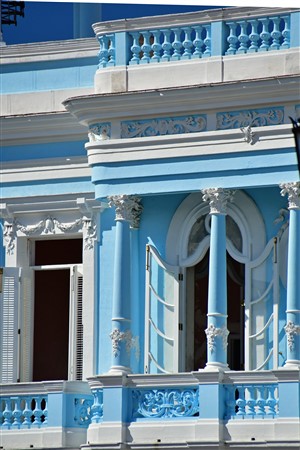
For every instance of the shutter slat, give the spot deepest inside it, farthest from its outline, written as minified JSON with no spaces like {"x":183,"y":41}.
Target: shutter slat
{"x":9,"y":329}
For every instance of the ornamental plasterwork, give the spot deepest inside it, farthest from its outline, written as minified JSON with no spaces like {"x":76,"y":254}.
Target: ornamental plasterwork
{"x":163,"y":126}
{"x":99,"y":132}
{"x":212,"y":332}
{"x":250,"y":118}
{"x":217,"y":198}
{"x":160,"y":403}
{"x":292,"y":190}
{"x":291,"y":331}
{"x":249,"y":136}
{"x":128,"y":208}
{"x":48,"y":226}
{"x":131,"y":343}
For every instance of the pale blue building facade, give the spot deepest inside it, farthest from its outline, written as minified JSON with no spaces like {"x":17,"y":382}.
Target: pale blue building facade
{"x":150,"y":206}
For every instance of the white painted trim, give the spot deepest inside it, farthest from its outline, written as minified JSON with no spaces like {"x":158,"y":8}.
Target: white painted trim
{"x":38,"y":128}
{"x":49,"y":51}
{"x":145,"y":23}
{"x":186,"y":145}
{"x":40,"y":172}
{"x":198,"y":98}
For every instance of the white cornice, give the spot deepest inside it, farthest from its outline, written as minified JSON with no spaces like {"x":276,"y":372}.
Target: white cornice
{"x":188,"y":145}
{"x":13,"y":207}
{"x":200,"y":98}
{"x":44,"y":169}
{"x":39,"y":128}
{"x":49,"y":51}
{"x":186,"y":19}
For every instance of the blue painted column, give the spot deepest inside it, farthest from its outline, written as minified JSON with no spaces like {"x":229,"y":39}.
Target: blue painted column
{"x":128,"y":211}
{"x":216,"y":330}
{"x":292,"y":327}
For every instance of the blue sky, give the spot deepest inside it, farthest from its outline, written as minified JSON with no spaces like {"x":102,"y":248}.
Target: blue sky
{"x":46,"y":21}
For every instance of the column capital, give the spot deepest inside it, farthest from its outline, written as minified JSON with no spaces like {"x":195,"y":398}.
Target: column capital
{"x":128,"y":208}
{"x":217,"y":198}
{"x":292,"y":190}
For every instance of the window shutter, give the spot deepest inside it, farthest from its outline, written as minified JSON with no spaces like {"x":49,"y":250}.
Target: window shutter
{"x":76,"y":325}
{"x":162,"y":326}
{"x":9,"y":337}
{"x":27,"y":324}
{"x":261,"y":303}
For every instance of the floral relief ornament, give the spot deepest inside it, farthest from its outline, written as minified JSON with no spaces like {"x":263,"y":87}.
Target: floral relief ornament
{"x":212,"y":332}
{"x":128,"y":208}
{"x":49,"y":225}
{"x":131,"y":342}
{"x":217,"y":198}
{"x":291,"y":331}
{"x":292,"y":190}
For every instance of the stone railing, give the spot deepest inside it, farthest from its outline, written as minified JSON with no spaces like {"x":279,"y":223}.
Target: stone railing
{"x":231,"y":31}
{"x":241,"y":395}
{"x":252,"y":401}
{"x":45,"y":404}
{"x":23,"y":412}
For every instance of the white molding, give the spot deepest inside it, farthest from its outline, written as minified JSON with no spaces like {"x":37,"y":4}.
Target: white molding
{"x":198,"y":98}
{"x":49,"y":51}
{"x":38,"y":128}
{"x":186,"y":19}
{"x":38,"y":170}
{"x":26,"y":104}
{"x":186,"y":145}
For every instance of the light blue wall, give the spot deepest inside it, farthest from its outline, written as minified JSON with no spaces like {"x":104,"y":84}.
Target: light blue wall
{"x":51,"y":75}
{"x":39,"y":151}
{"x":156,"y":217}
{"x":157,"y":214}
{"x":44,"y":187}
{"x":170,"y":175}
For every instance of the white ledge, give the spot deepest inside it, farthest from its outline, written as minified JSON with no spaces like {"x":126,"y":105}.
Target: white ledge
{"x":169,"y":20}
{"x":49,"y":51}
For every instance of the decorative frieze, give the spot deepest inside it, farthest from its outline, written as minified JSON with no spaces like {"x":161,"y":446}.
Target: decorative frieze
{"x":165,"y":403}
{"x":292,"y":190}
{"x":250,"y":118}
{"x":212,"y":332}
{"x":217,"y":198}
{"x":48,"y":226}
{"x":291,"y":330}
{"x":163,"y":126}
{"x":131,"y":343}
{"x":99,"y":132}
{"x":128,"y":208}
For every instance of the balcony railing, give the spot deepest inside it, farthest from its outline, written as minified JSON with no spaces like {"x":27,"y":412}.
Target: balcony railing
{"x":222,"y":35}
{"x":45,"y":404}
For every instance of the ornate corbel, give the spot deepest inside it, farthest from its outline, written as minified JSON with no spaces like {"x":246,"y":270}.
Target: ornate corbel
{"x":9,"y":234}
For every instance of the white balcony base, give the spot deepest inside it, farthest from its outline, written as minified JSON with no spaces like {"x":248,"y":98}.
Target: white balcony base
{"x":43,"y":438}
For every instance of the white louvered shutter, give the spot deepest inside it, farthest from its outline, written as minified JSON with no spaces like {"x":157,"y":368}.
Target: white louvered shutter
{"x":26,"y":324}
{"x":76,"y":325}
{"x":9,"y":337}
